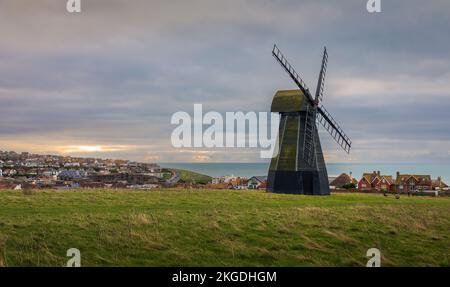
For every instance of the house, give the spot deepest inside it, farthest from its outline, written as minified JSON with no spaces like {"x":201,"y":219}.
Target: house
{"x":412,"y":182}
{"x":155,"y":174}
{"x":365,"y":183}
{"x":31,"y":162}
{"x":238,"y":183}
{"x":241,"y":183}
{"x":229,"y":178}
{"x":376,"y":181}
{"x":438,"y":184}
{"x":71,"y":174}
{"x":228,"y":182}
{"x":49,"y":173}
{"x":9,"y":172}
{"x":343,"y":180}
{"x":384,"y":182}
{"x":225,"y":179}
{"x":257,"y":182}
{"x":132,"y":164}
{"x":1,"y":172}
{"x":72,"y":164}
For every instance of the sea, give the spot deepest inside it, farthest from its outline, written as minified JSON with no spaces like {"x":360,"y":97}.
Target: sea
{"x":334,"y":169}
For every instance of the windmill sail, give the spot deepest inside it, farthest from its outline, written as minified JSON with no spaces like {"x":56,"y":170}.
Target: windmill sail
{"x":327,"y":121}
{"x":290,"y":70}
{"x":321,"y":81}
{"x":309,"y":143}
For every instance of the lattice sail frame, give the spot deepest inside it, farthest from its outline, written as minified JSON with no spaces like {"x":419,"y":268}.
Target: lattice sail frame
{"x":323,"y":116}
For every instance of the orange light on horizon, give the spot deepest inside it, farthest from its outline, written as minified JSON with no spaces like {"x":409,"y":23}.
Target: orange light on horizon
{"x":90,"y":148}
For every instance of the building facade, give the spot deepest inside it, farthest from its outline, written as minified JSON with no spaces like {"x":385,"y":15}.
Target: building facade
{"x":376,"y":181}
{"x":413,"y":182}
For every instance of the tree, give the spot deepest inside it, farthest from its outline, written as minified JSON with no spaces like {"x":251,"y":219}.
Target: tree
{"x":350,"y":185}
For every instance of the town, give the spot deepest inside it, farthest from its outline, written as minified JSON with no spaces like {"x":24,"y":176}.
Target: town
{"x":27,"y":171}
{"x":33,"y":171}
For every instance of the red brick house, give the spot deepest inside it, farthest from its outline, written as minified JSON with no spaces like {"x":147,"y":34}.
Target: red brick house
{"x":376,"y":181}
{"x":365,"y":183}
{"x":385,"y":182}
{"x":413,"y":182}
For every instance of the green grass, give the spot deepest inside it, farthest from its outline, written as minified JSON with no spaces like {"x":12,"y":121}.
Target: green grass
{"x":190,"y":176}
{"x":220,"y":228}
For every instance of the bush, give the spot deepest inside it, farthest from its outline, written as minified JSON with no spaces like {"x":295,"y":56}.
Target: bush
{"x":349,"y":186}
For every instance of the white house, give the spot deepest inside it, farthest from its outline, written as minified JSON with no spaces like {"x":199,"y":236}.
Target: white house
{"x":72,"y":164}
{"x":255,"y":182}
{"x":156,"y":174}
{"x":229,"y":178}
{"x":32,"y":162}
{"x":224,"y":179}
{"x":9,"y":172}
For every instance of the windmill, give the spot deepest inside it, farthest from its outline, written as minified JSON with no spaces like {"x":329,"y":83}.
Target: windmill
{"x":299,"y":167}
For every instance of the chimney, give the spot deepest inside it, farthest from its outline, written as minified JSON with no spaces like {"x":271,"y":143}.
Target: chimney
{"x":378,"y":173}
{"x":439,"y":178}
{"x":351,"y":175}
{"x":398,"y":174}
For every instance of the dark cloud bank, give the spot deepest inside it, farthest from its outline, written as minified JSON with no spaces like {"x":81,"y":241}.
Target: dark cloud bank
{"x":114,"y":74}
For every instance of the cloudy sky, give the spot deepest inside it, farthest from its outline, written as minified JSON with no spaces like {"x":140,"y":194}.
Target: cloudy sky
{"x":105,"y":82}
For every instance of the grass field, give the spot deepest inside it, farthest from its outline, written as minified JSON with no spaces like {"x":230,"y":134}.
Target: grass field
{"x":220,"y":228}
{"x":190,"y":176}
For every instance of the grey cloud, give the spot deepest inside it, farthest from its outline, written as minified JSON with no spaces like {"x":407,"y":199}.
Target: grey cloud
{"x":115,"y":73}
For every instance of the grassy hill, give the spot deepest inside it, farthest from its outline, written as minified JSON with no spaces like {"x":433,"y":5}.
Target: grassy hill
{"x":190,"y":176}
{"x":220,"y":228}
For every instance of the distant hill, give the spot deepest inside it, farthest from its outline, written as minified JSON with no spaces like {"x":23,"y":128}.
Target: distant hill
{"x":190,"y":176}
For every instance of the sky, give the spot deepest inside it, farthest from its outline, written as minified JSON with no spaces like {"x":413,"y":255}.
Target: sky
{"x":105,"y":82}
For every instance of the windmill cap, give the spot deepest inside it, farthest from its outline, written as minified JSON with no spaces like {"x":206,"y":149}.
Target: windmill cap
{"x":288,"y":101}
